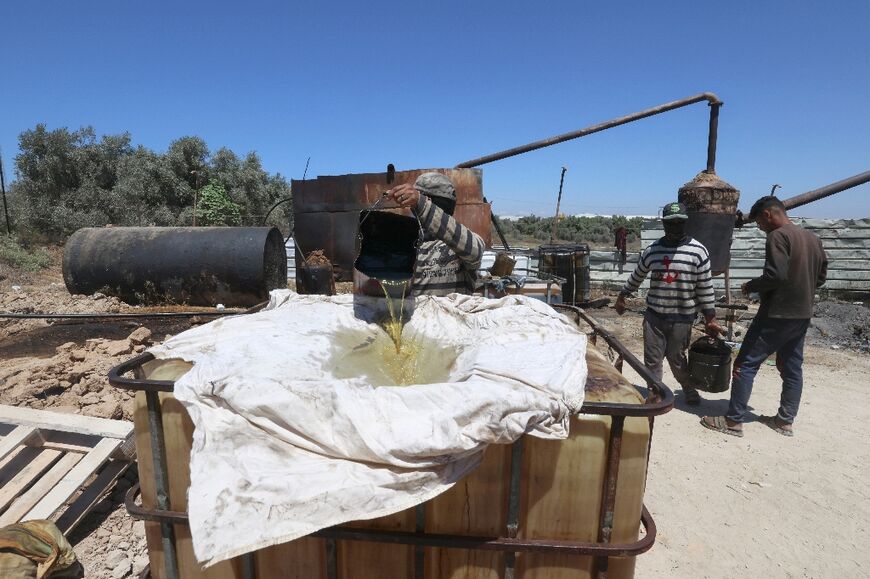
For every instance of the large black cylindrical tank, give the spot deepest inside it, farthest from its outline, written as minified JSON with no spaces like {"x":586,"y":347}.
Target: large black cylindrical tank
{"x":234,"y":266}
{"x":712,"y":207}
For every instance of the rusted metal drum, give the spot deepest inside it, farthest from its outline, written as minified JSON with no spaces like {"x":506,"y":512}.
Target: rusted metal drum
{"x":712,"y":207}
{"x":316,"y":279}
{"x":326,"y":210}
{"x":571,"y":262}
{"x":198,"y":266}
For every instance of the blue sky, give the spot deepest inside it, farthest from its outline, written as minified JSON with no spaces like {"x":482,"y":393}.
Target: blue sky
{"x":357,"y":85}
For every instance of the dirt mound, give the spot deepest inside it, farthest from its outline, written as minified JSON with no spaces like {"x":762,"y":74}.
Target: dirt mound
{"x":840,"y":325}
{"x":317,"y":257}
{"x":74,"y":379}
{"x":62,"y":365}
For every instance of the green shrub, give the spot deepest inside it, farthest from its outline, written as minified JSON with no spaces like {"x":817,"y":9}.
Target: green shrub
{"x":597,"y":229}
{"x":71,"y":179}
{"x":13,"y":254}
{"x":216,"y":208}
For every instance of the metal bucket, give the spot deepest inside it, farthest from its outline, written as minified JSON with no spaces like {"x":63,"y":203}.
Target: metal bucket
{"x":570,"y":262}
{"x":386,"y":250}
{"x":710,"y":361}
{"x":316,"y":279}
{"x":503,"y":266}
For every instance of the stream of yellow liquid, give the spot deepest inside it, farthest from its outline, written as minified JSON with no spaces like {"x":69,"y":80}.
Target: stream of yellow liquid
{"x":402,"y":361}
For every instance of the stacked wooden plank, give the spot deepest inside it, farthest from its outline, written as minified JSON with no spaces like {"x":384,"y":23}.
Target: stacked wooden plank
{"x":47,"y":458}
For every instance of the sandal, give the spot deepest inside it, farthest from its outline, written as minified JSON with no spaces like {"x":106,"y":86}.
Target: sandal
{"x":719,"y":424}
{"x":783,"y":428}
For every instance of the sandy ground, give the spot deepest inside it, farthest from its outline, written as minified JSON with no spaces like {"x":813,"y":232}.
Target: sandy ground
{"x":62,"y":367}
{"x":763,"y":505}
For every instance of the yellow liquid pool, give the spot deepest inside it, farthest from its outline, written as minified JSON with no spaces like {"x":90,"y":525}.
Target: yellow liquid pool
{"x":387,"y":357}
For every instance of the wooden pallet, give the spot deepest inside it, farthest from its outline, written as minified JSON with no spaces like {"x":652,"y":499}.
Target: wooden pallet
{"x":47,"y":458}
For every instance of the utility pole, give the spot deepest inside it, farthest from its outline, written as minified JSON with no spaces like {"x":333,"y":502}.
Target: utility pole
{"x":195,"y":193}
{"x":558,"y":202}
{"x":3,"y":188}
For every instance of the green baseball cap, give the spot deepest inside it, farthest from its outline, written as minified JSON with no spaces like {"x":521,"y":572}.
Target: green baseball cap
{"x":673,"y":211}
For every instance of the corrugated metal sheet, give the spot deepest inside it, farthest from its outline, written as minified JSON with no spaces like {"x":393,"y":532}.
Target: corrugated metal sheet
{"x":849,"y":267}
{"x":846,"y":241}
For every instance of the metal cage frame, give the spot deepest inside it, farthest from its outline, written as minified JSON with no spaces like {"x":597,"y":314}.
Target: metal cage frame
{"x":659,"y":400}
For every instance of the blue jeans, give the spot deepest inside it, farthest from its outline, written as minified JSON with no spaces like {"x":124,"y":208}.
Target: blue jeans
{"x":785,"y":337}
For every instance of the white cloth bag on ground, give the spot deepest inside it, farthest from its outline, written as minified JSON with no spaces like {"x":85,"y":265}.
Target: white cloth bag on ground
{"x":296,"y":431}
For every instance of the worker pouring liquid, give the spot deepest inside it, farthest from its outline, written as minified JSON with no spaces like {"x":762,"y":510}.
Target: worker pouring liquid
{"x":400,"y":257}
{"x":450,"y":253}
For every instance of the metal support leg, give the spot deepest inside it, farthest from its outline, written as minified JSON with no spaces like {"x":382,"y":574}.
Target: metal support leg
{"x":608,"y":499}
{"x":419,"y":552}
{"x":331,"y":559}
{"x":513,"y":523}
{"x":161,"y":479}
{"x":730,"y":315}
{"x":249,"y":570}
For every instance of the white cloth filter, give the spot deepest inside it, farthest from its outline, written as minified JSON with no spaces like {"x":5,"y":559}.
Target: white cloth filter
{"x":290,"y":438}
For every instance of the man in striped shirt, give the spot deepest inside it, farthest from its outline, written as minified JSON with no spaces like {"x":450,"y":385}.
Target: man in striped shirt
{"x":680,"y":285}
{"x":450,"y":255}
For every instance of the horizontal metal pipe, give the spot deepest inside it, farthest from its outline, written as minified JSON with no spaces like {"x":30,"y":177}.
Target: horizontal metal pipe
{"x":484,"y":543}
{"x":826,"y":191}
{"x":82,"y":316}
{"x":141,"y":513}
{"x":503,"y":544}
{"x":707,"y":96}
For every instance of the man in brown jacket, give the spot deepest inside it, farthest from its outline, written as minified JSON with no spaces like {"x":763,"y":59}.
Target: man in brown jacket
{"x":795,"y":265}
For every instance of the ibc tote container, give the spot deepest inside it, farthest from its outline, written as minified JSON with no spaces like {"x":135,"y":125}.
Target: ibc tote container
{"x":537,"y":509}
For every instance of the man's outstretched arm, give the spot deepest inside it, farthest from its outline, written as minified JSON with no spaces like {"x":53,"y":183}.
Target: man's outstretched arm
{"x":468,"y":245}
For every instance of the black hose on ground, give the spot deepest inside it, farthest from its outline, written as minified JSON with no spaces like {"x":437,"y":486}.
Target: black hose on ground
{"x":55,"y":316}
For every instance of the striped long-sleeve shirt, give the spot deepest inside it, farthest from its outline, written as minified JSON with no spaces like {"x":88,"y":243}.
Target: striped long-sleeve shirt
{"x":449,"y":257}
{"x":680,"y":280}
